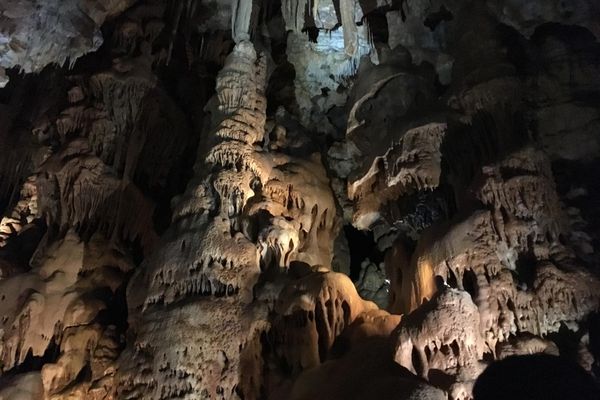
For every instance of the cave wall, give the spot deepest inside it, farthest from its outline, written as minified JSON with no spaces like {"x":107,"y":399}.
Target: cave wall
{"x":295,"y":199}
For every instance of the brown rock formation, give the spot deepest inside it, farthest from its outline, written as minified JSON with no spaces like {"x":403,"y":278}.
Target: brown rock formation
{"x":294,"y":199}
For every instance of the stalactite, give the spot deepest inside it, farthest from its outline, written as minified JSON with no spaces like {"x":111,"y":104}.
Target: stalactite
{"x":348,"y":17}
{"x":293,"y":13}
{"x":241,"y":15}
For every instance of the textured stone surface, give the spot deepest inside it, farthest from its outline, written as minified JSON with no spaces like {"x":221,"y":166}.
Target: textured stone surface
{"x":178,"y":181}
{"x":38,"y":33}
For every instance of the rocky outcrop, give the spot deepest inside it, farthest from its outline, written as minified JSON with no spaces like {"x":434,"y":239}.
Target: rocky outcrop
{"x":59,"y":305}
{"x":178,"y":182}
{"x":35,"y":34}
{"x":78,"y":213}
{"x":388,"y":156}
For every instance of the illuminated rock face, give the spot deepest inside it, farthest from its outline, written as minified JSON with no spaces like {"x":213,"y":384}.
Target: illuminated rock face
{"x":294,"y":200}
{"x":83,"y":199}
{"x":324,"y":64}
{"x":206,"y":269}
{"x":255,"y":212}
{"x":58,"y":303}
{"x":508,"y":264}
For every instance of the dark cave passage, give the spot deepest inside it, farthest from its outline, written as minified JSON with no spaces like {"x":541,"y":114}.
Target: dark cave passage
{"x":362,"y":246}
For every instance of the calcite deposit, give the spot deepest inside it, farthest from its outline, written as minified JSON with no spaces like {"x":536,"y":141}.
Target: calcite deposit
{"x":332,"y":199}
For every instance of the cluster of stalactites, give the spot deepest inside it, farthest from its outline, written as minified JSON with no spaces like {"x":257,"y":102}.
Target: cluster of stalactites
{"x":294,"y":14}
{"x":507,"y":266}
{"x":57,"y":303}
{"x":312,"y":312}
{"x":444,"y":335}
{"x":78,"y":190}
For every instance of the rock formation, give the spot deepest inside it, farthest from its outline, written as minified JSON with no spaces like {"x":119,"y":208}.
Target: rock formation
{"x":295,"y":199}
{"x":38,"y":33}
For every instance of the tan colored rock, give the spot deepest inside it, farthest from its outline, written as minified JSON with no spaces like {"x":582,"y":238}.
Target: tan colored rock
{"x":412,"y":164}
{"x":238,"y":300}
{"x":444,"y":335}
{"x":525,"y":344}
{"x":57,"y":303}
{"x":78,"y":189}
{"x":366,"y":342}
{"x":312,"y":312}
{"x":249,"y":210}
{"x":23,"y":213}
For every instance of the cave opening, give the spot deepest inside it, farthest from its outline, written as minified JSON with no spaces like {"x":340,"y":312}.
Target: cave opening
{"x":594,"y":338}
{"x":312,"y":32}
{"x":568,"y":341}
{"x":362,"y":246}
{"x":378,"y":26}
{"x":435,"y":18}
{"x":34,"y":363}
{"x":469,"y":283}
{"x":417,"y":361}
{"x":280,"y":90}
{"x":580,"y":191}
{"x":525,"y":269}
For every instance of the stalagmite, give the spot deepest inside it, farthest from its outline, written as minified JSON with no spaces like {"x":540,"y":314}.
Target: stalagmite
{"x":209,"y":282}
{"x":219,"y":276}
{"x":298,"y":199}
